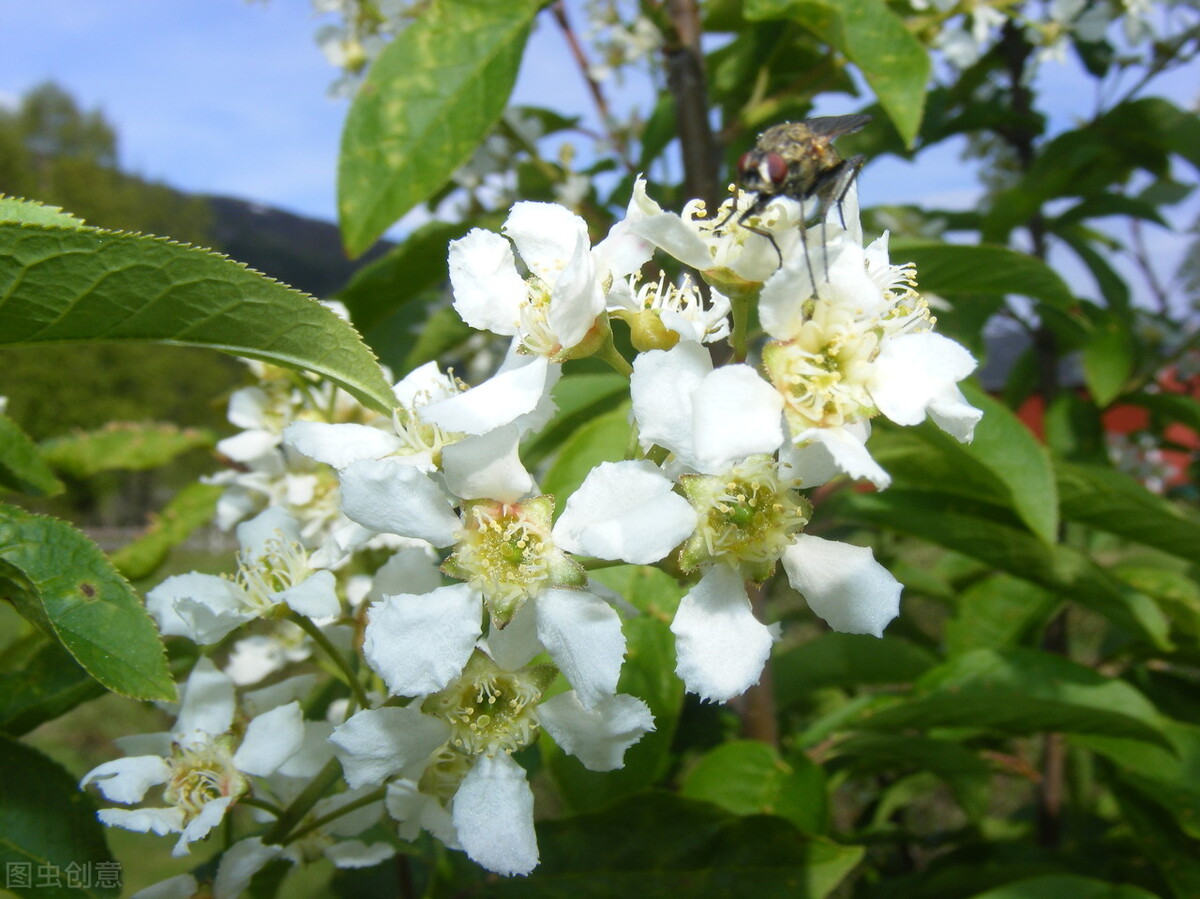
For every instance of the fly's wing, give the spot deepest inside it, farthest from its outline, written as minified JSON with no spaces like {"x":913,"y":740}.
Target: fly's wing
{"x":832,"y":126}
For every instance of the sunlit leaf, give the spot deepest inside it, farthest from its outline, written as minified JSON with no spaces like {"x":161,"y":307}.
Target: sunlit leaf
{"x":65,"y":585}
{"x":429,"y":99}
{"x":61,"y":285}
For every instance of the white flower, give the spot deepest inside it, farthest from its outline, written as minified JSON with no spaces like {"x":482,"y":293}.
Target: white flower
{"x":734,"y":526}
{"x":660,"y":314}
{"x":451,"y":757}
{"x":706,"y":417}
{"x":861,"y":346}
{"x":555,"y":308}
{"x":274,"y":572}
{"x":202,"y":773}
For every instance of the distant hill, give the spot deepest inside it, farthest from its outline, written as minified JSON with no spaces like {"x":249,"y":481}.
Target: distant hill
{"x":303,"y":252}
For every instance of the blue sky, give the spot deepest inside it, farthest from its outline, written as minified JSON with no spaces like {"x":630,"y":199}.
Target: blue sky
{"x":231,"y":97}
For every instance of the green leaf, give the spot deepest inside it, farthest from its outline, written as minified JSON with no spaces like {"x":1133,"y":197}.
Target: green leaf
{"x":1057,"y":886}
{"x":749,"y":778}
{"x":1000,"y":612}
{"x":603,"y":439}
{"x":579,"y":398}
{"x":68,"y":588}
{"x":960,"y":270}
{"x":657,"y":844}
{"x":428,"y":101}
{"x":126,"y":446}
{"x":1114,"y":502}
{"x":968,"y":775}
{"x":48,"y":685}
{"x":1169,"y":776}
{"x":1004,"y":464}
{"x":58,"y":285}
{"x":440,"y":333}
{"x":1108,"y":361}
{"x":47,"y":824}
{"x":982,"y":533}
{"x":1162,"y":841}
{"x":33,"y":213}
{"x":191,"y":508}
{"x":22,"y":467}
{"x":1021,"y":691}
{"x":394,"y":281}
{"x":845,"y":661}
{"x":872,"y":37}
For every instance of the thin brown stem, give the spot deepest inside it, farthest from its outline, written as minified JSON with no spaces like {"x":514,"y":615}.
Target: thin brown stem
{"x":559,"y":11}
{"x":687,"y":83}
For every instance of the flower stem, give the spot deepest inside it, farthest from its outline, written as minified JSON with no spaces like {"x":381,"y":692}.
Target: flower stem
{"x":352,"y":681}
{"x":609,"y":354}
{"x":300,"y":806}
{"x":738,"y":338}
{"x":373,"y":796}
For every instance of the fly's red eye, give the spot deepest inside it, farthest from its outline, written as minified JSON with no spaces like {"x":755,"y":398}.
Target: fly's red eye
{"x":745,"y":162}
{"x":777,"y":169}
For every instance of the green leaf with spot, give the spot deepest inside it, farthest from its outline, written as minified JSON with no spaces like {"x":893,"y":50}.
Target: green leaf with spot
{"x":59,"y":285}
{"x":428,"y":101}
{"x":59,"y":580}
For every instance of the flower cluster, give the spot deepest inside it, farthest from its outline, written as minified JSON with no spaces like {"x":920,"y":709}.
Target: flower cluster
{"x":453,"y":598}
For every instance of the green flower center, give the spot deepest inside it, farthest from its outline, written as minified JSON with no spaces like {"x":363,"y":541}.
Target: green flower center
{"x":747,"y":517}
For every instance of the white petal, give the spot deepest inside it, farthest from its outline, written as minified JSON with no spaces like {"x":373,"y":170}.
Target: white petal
{"x":583,"y":635}
{"x":212,"y":814}
{"x":354,"y":821}
{"x":315,"y":596}
{"x":207,"y":703}
{"x":514,"y":645}
{"x":249,"y":407}
{"x":487,"y":467}
{"x":271,"y":739}
{"x":292,"y":689}
{"x":339,"y":445}
{"x":239,"y":864}
{"x":493,"y":814}
{"x":181,"y":886}
{"x":314,"y":753}
{"x":662,"y":386}
{"x":843,"y":584}
{"x":501,"y":399}
{"x":419,"y":643}
{"x":720,"y":647}
{"x":736,"y":414}
{"x":576,"y":300}
{"x":953,"y":414}
{"x":913,"y":370}
{"x":488,"y":291}
{"x":127,"y":780}
{"x":411,"y":569}
{"x":248,"y":446}
{"x":842,"y":448}
{"x":174,"y":602}
{"x":424,"y":384}
{"x":377,"y":743}
{"x":416,"y":811}
{"x":598,"y":737}
{"x":625,"y":510}
{"x":547,"y":237}
{"x":145,"y":820}
{"x":357,"y":854}
{"x":388,"y":496}
{"x":270,"y":526}
{"x":668,"y":231}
